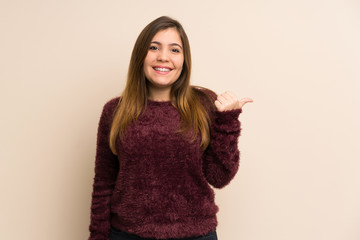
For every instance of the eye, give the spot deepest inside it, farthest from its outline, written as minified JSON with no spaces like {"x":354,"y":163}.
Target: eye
{"x":153,"y":48}
{"x":175,"y":50}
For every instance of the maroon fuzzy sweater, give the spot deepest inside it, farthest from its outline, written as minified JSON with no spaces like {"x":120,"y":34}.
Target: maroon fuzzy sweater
{"x":158,"y":184}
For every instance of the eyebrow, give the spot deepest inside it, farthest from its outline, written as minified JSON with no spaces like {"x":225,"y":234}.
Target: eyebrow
{"x":171,"y":44}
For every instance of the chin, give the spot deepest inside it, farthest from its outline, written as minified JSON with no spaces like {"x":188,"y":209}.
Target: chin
{"x":161,"y":84}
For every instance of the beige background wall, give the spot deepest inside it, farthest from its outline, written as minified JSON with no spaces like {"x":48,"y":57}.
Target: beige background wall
{"x":60,"y":61}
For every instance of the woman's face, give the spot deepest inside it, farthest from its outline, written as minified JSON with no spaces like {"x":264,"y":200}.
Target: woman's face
{"x":164,"y":60}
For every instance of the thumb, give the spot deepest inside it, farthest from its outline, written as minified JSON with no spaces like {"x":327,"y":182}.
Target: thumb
{"x":245,"y":100}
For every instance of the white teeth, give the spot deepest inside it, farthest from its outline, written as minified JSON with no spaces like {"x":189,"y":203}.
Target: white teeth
{"x":162,"y":69}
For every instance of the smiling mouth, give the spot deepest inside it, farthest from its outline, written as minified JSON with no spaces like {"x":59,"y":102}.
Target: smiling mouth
{"x":159,"y":69}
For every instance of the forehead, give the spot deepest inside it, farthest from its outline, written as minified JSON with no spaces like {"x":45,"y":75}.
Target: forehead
{"x":168,"y":36}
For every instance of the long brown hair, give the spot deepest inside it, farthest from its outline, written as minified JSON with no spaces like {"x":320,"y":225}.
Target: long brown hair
{"x":134,"y":97}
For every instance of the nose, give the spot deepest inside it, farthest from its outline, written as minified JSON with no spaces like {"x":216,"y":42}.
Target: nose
{"x":163,"y":55}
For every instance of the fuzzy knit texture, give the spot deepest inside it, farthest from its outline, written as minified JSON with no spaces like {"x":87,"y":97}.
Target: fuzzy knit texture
{"x":160,"y":184}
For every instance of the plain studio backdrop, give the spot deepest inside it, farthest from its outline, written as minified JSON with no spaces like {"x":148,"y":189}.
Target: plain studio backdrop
{"x":60,"y":61}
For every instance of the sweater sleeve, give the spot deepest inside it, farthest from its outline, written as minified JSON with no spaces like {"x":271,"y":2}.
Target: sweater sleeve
{"x":222,"y":157}
{"x":106,"y":170}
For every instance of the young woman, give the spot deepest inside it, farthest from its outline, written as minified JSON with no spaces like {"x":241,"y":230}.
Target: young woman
{"x":161,"y":145}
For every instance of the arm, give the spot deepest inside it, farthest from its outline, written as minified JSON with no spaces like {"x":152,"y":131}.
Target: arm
{"x":106,"y":170}
{"x":222,"y":156}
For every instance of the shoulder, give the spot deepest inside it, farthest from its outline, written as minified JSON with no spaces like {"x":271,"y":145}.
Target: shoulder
{"x":204,"y":92}
{"x":112,"y":102}
{"x":206,"y":96}
{"x":110,"y":106}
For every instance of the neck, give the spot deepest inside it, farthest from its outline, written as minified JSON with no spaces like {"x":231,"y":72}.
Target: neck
{"x":157,"y":94}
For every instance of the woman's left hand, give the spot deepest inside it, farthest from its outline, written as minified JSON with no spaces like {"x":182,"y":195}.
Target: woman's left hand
{"x":228,"y":101}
